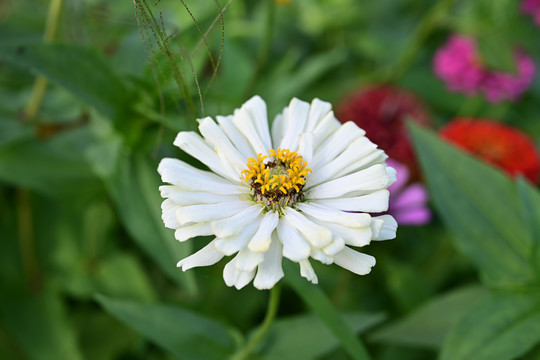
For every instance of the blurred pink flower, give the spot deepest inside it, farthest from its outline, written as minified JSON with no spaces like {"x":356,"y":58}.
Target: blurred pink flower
{"x":460,"y":66}
{"x":408,"y":202}
{"x":532,"y":7}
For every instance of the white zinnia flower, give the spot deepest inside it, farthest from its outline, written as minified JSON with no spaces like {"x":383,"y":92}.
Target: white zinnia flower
{"x":301,"y":191}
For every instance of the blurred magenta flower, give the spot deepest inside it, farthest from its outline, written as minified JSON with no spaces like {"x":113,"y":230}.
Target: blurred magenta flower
{"x":381,"y":110}
{"x":408,"y":203}
{"x":460,"y":66}
{"x":497,"y":144}
{"x":532,"y":7}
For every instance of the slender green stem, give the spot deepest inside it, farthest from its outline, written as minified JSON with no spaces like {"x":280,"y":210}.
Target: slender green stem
{"x":271,"y":312}
{"x":40,"y":84}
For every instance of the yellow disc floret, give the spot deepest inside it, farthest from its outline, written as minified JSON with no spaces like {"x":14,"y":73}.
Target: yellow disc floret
{"x":278,"y":182}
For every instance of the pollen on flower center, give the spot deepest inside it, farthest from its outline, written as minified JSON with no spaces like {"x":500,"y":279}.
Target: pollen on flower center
{"x":278,"y":182}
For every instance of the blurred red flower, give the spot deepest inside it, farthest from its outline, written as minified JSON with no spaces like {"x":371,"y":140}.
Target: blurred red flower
{"x":500,"y":145}
{"x":382,"y":111}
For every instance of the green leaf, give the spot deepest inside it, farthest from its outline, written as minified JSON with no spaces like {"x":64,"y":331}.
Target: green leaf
{"x":429,"y":325}
{"x":54,"y":166}
{"x":530,"y":202}
{"x":134,"y":188}
{"x":497,"y":53}
{"x":306,"y":336}
{"x":185,"y":334}
{"x":38,"y":324}
{"x":321,"y":305}
{"x":479,"y":205}
{"x":499,"y":328}
{"x":83,"y":71}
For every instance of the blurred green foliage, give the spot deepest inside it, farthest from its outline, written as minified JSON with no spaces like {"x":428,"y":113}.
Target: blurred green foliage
{"x":87,"y":269}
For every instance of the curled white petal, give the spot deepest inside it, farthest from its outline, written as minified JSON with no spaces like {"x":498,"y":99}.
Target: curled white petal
{"x":336,"y":143}
{"x":209,"y":212}
{"x":187,"y":232}
{"x":270,"y":271}
{"x":329,"y":214}
{"x":306,"y":270}
{"x":233,"y":224}
{"x":317,"y":111}
{"x":235,"y":277}
{"x":187,"y":177}
{"x":295,"y":247}
{"x":368,"y":180}
{"x":335,"y":246}
{"x":315,"y":234}
{"x":207,"y":256}
{"x":295,"y":117}
{"x":263,"y":237}
{"x":182,"y":197}
{"x":168,"y":214}
{"x":354,"y":261}
{"x":389,"y":228}
{"x":374,"y":202}
{"x":234,"y":243}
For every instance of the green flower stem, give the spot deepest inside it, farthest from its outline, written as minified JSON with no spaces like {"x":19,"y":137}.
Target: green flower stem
{"x":40,"y":84}
{"x":271,"y":312}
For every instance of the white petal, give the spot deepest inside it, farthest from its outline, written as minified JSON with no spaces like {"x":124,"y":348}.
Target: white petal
{"x":355,"y":236}
{"x":294,"y":245}
{"x":263,"y":237}
{"x":321,"y":256}
{"x":358,"y":149}
{"x":376,"y":227}
{"x":187,"y":177}
{"x":234,"y":243}
{"x":317,"y":111}
{"x":392,"y":175}
{"x":247,"y":260}
{"x":194,"y":145}
{"x":183,"y":197}
{"x":370,"y":179}
{"x":315,"y":234}
{"x":373,"y":202}
{"x":295,"y":118}
{"x":236,"y":137}
{"x":336,"y":246}
{"x":305,"y":146}
{"x":252,"y":122}
{"x":328,"y":214}
{"x":376,"y":157}
{"x":335,"y":144}
{"x":354,"y":261}
{"x":168,"y":214}
{"x":235,"y":277}
{"x":215,"y":136}
{"x":187,"y":232}
{"x":278,"y":129}
{"x":327,"y":126}
{"x":306,"y":270}
{"x":270,"y":271}
{"x":207,"y":256}
{"x":232,"y":225}
{"x":209,"y":212}
{"x":389,"y":228}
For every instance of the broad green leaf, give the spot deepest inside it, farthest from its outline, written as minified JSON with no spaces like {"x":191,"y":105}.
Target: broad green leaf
{"x":38,"y":324}
{"x":323,"y":308}
{"x":306,"y":336}
{"x":496,"y":52}
{"x":501,"y":327}
{"x":530,"y":202}
{"x":429,"y":325}
{"x":81,"y":70}
{"x":479,"y":205}
{"x":54,"y":166}
{"x":185,"y":334}
{"x":134,"y":188}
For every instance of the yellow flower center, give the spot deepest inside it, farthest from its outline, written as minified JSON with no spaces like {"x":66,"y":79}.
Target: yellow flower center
{"x":278,"y":182}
